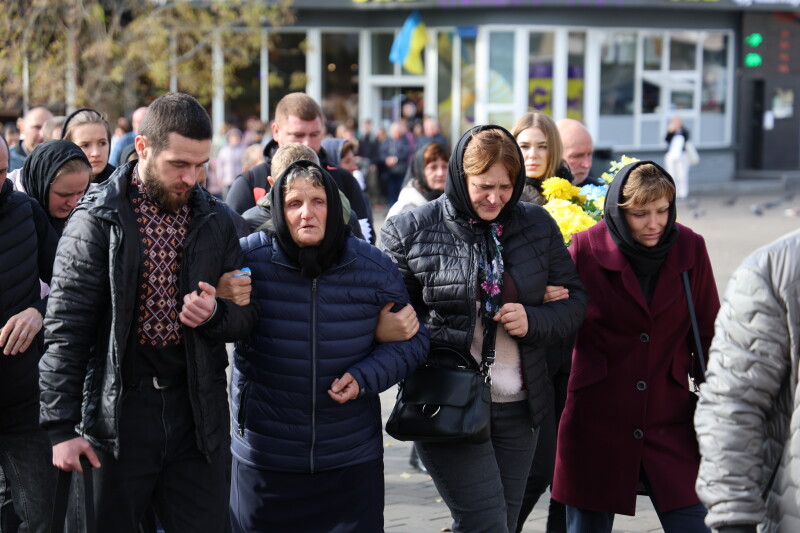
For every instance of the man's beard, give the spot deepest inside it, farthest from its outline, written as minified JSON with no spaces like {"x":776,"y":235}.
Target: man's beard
{"x":158,"y":193}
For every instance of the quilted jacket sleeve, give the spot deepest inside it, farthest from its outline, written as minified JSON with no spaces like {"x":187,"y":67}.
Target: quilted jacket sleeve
{"x":78,"y":289}
{"x":391,"y":361}
{"x":748,"y":365}
{"x":553,"y":321}
{"x":392,"y":243}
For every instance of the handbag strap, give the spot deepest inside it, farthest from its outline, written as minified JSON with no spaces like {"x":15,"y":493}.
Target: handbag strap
{"x":61,"y":502}
{"x":488,"y":348}
{"x":698,"y":347}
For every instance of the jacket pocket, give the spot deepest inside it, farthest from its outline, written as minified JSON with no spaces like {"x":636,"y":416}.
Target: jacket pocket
{"x":587,"y":370}
{"x":241,"y":414}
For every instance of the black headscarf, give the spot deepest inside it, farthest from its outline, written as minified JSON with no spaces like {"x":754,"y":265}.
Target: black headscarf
{"x":313,"y":260}
{"x":417,"y":175}
{"x":645,"y":260}
{"x":456,"y":186}
{"x":40,"y":169}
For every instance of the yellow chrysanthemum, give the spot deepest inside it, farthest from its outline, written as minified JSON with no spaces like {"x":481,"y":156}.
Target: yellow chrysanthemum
{"x":570,"y":218}
{"x":559,"y":188}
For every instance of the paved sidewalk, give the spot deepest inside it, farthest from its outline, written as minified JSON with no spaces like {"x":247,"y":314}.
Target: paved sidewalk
{"x":413,"y":505}
{"x":733,"y":227}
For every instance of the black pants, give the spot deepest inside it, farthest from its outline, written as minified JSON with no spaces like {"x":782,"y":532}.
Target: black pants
{"x":344,"y":500}
{"x":160,"y":464}
{"x":544,"y":460}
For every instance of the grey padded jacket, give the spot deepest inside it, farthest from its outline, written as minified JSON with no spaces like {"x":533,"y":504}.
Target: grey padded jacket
{"x":748,"y":417}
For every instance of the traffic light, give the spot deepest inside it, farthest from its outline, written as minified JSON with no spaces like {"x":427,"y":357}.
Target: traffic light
{"x":753,"y":59}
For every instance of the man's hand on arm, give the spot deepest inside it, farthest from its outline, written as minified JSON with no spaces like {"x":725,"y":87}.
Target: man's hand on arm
{"x":67,"y":455}
{"x":20,"y":330}
{"x":396,"y":327}
{"x":198,"y":308}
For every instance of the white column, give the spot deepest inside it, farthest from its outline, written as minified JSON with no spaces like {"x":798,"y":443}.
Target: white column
{"x":264,"y":81}
{"x":482,"y":76}
{"x":431,"y":75}
{"x":560,"y":73}
{"x":591,"y":83}
{"x":218,"y":82}
{"x":173,"y":63}
{"x":521,"y":73}
{"x":314,"y":64}
{"x":364,"y":77}
{"x":26,"y":84}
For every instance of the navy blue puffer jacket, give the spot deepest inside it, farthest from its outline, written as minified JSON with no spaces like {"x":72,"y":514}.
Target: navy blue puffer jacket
{"x":309,"y":333}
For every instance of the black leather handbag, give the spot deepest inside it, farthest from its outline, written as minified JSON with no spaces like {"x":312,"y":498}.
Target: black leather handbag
{"x":448,"y":399}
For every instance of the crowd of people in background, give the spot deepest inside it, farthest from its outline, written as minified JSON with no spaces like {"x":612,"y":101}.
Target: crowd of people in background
{"x":124,"y":275}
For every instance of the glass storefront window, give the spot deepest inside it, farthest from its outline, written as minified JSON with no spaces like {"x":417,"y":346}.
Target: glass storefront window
{"x":340,"y":76}
{"x":651,"y":94}
{"x":653,"y":51}
{"x":617,"y":73}
{"x":287,"y":65}
{"x":501,"y":67}
{"x":540,"y":72}
{"x":381,"y":46}
{"x":682,"y":51}
{"x":575,"y":74}
{"x":617,"y":79}
{"x":715,"y":73}
{"x":714,"y":89}
{"x":502,"y":118}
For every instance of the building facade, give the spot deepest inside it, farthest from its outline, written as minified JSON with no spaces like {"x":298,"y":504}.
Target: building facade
{"x":728,"y":68}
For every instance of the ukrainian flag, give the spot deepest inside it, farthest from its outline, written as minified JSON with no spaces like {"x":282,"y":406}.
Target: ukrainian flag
{"x":409,"y":43}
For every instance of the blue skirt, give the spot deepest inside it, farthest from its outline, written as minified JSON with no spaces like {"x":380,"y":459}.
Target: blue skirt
{"x":345,"y":500}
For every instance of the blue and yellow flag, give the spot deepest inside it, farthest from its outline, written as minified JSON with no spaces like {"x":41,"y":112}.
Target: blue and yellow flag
{"x":409,"y":43}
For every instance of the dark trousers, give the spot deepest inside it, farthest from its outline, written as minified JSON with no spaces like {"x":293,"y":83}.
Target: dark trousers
{"x":544,"y":460}
{"x":684,"y":520}
{"x":344,"y":500}
{"x":482,"y":484}
{"x":160,"y":464}
{"x":27,"y":462}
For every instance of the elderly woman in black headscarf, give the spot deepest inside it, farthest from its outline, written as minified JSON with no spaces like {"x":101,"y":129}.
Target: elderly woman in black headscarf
{"x":57,"y":175}
{"x":476,"y":263}
{"x":307,"y":445}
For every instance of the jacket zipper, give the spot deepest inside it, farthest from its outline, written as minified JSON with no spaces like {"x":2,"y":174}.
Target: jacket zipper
{"x":188,"y":340}
{"x":240,"y":416}
{"x":313,"y":371}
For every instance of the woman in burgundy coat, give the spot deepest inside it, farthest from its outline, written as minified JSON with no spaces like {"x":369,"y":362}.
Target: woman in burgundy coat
{"x":628,"y":415}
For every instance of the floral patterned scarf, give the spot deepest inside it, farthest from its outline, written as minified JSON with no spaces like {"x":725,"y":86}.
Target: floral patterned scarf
{"x":490,"y":281}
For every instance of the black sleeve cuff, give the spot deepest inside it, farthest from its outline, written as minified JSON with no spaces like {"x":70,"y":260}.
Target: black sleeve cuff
{"x":41,"y":306}
{"x":61,"y":432}
{"x":739,"y":528}
{"x":216,"y":317}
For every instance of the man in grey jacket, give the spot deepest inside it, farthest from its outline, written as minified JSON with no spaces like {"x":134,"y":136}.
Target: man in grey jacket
{"x":747,"y":418}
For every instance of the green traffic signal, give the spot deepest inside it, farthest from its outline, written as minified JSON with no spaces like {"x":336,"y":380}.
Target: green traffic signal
{"x":752,"y":60}
{"x":754,"y":39}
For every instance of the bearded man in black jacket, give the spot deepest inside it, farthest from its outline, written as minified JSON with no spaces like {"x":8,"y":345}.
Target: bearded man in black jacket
{"x":133,"y":376}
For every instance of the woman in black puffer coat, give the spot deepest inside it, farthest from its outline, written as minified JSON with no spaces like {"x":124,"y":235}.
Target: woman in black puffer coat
{"x":475,"y":257}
